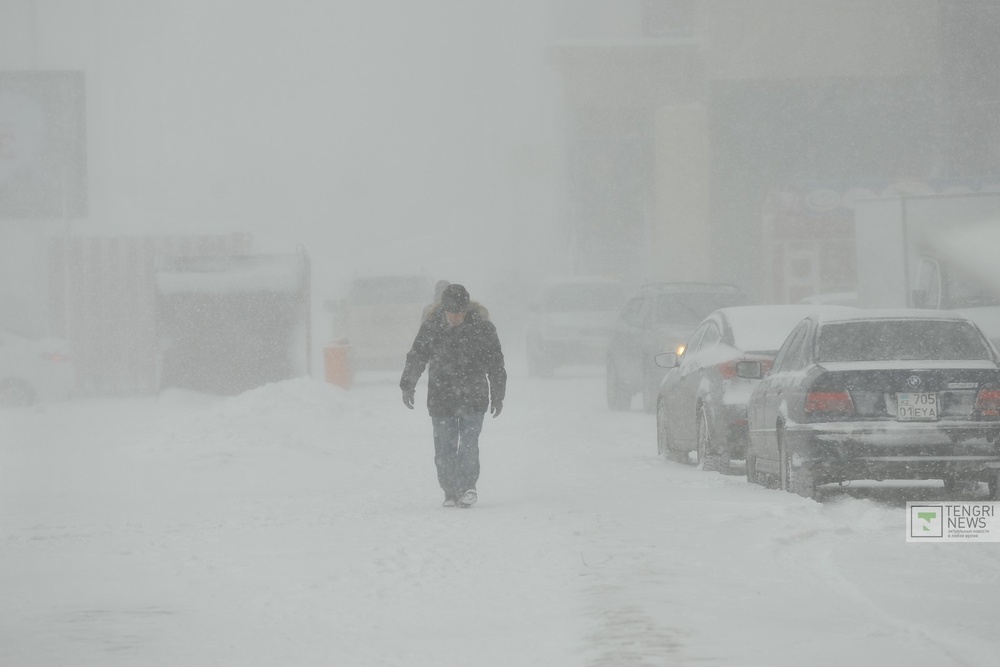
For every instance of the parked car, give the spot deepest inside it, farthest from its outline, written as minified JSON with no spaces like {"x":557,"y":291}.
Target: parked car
{"x":702,"y":402}
{"x":33,"y":370}
{"x":570,"y":322}
{"x":379,"y":318}
{"x":875,"y":394}
{"x":660,"y":317}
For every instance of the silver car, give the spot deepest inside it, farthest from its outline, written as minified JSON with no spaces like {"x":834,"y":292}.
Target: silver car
{"x":702,"y":402}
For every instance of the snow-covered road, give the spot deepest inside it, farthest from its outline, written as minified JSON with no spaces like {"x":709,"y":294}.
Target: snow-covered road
{"x":300,"y":524}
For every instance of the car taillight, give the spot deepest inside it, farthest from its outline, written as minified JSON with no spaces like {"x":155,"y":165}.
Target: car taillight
{"x":54,"y":356}
{"x":727,"y":369}
{"x":837,"y":402}
{"x":988,"y":401}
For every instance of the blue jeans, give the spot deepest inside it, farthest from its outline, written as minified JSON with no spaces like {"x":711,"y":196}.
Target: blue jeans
{"x":456,"y":452}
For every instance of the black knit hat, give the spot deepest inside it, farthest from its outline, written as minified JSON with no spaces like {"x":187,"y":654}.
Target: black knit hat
{"x":455,"y":298}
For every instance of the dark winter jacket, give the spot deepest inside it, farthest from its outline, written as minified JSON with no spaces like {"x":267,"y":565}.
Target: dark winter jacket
{"x":465,"y":363}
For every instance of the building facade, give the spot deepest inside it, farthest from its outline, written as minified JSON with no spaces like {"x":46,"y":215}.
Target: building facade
{"x":686,"y":117}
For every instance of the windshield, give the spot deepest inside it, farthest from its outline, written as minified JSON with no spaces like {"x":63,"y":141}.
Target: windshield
{"x":692,"y":308}
{"x":577,"y":298}
{"x":887,"y":340}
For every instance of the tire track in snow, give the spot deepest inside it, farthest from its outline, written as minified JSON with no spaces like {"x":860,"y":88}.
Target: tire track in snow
{"x":820,"y":562}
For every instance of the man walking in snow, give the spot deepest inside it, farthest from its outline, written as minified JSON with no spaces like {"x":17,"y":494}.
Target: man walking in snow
{"x":466,"y":375}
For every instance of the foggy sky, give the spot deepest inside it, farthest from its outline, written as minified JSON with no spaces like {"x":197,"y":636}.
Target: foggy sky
{"x":392,"y":136}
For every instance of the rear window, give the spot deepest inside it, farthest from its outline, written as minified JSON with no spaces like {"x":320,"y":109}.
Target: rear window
{"x":692,"y":308}
{"x":887,"y":340}
{"x":584,"y":298}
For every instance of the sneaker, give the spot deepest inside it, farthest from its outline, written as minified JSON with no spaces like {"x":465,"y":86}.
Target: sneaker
{"x":449,"y":501}
{"x":468,"y":498}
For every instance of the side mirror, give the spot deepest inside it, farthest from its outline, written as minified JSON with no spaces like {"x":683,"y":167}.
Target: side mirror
{"x":666,"y":360}
{"x":749,"y":370}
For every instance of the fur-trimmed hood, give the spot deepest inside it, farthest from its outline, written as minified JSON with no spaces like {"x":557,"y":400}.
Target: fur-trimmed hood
{"x":476,"y":309}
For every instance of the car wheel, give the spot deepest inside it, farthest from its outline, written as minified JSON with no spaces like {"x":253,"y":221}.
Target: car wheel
{"x":619,"y":398}
{"x":799,"y":480}
{"x":783,"y":459}
{"x":802,"y":481}
{"x":752,"y":476}
{"x":958,"y":485}
{"x":16,"y":394}
{"x":710,"y":459}
{"x":662,"y":444}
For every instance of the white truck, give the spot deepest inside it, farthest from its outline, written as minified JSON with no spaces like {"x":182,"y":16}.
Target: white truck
{"x":931,"y":251}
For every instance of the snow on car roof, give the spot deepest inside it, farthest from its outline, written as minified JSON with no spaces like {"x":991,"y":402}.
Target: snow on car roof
{"x":851,"y":314}
{"x":765,"y":328}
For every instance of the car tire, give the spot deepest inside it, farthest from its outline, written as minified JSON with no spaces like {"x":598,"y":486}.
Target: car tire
{"x":803,"y":482}
{"x":711,"y":460}
{"x":619,"y":397}
{"x":682,"y":456}
{"x":16,"y":394}
{"x":783,"y":460}
{"x":752,"y":475}
{"x":799,"y":480}
{"x":662,"y":439}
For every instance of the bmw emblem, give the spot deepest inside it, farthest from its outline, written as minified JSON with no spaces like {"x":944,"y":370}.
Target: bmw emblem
{"x":913,"y":381}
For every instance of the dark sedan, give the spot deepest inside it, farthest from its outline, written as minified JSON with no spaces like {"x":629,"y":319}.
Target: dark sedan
{"x":658,"y":318}
{"x":877,"y":395}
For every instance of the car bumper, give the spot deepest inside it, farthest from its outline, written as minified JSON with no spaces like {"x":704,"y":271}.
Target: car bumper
{"x":894,"y":450}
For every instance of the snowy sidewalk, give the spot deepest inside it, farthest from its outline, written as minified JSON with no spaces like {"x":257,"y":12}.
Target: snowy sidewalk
{"x":299,"y":524}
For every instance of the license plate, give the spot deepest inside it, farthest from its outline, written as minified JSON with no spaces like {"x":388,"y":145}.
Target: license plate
{"x":917,"y":406}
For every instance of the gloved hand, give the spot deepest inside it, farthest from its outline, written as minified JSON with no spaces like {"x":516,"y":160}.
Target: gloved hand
{"x":408,"y":397}
{"x":496,"y":406}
